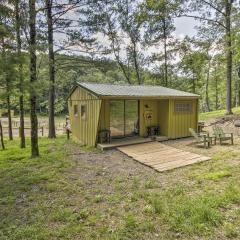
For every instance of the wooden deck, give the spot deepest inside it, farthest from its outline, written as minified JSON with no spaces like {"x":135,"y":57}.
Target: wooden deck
{"x":128,"y":141}
{"x":123,"y":142}
{"x":161,"y":157}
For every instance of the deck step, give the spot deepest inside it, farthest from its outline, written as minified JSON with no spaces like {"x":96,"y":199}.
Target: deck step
{"x":123,"y":142}
{"x":161,"y":138}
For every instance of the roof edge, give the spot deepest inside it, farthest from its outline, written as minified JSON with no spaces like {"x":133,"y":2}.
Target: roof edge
{"x":86,"y":88}
{"x":79,"y":84}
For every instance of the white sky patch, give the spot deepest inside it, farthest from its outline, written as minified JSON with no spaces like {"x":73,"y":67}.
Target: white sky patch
{"x":184,"y":27}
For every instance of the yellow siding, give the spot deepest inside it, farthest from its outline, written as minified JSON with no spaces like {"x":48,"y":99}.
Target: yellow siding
{"x":179,"y":123}
{"x":104,"y":122}
{"x":84,"y":130}
{"x":147,"y":107}
{"x":163,"y":116}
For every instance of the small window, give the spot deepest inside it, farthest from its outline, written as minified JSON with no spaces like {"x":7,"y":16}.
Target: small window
{"x":75,"y":109}
{"x":185,"y":107}
{"x":83,"y":112}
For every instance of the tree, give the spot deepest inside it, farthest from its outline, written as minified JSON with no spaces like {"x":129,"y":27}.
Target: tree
{"x":51,"y":60}
{"x":20,"y":69}
{"x":117,"y":21}
{"x":217,"y":13}
{"x":33,"y":78}
{"x":6,"y":57}
{"x":158,"y":17}
{"x":192,"y":64}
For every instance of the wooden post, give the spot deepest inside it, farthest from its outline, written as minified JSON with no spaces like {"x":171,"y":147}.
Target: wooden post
{"x":1,"y":136}
{"x":42,"y":130}
{"x":68,"y":134}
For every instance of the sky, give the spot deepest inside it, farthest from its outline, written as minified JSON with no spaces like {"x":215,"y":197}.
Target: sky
{"x":185,"y":26}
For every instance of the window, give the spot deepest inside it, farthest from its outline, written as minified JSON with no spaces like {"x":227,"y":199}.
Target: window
{"x":75,"y":110}
{"x":183,"y":107}
{"x":83,"y":112}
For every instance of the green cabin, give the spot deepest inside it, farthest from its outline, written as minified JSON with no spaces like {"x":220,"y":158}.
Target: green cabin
{"x":128,"y":110}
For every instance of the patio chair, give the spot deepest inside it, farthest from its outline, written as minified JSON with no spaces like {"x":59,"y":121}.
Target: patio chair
{"x":201,"y":138}
{"x":221,"y":135}
{"x":104,"y":136}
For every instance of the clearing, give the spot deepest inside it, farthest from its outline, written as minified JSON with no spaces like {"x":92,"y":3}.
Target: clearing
{"x":74,"y":192}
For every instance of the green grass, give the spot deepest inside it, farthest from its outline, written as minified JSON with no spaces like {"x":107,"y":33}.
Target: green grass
{"x":71,"y":192}
{"x":218,"y":113}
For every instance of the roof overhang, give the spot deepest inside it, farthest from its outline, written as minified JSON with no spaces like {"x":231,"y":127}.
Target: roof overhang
{"x":129,"y":97}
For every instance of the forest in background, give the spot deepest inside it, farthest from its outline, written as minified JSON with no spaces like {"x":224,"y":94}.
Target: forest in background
{"x":47,"y":45}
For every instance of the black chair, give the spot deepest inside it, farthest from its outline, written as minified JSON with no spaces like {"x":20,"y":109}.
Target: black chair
{"x":104,"y":136}
{"x":153,"y":130}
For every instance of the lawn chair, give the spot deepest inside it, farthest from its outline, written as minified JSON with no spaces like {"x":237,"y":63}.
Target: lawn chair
{"x":221,"y":135}
{"x":201,"y":138}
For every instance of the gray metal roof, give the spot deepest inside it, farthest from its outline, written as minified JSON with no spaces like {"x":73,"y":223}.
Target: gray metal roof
{"x":134,"y":90}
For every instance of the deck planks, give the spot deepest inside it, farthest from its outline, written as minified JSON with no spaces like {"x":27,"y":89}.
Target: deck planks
{"x":161,"y":157}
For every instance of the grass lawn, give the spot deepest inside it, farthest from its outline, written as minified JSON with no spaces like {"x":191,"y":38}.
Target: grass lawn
{"x":72,"y":192}
{"x":218,"y":113}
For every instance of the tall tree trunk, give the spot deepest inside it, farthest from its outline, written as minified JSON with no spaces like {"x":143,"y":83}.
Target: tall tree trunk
{"x":165,"y":55}
{"x":206,"y":87}
{"x":136,"y":62}
{"x":238,"y":95}
{"x":194,"y":84}
{"x":33,"y":78}
{"x":51,"y":101}
{"x":1,"y":136}
{"x":20,"y":69}
{"x":10,"y":134}
{"x":228,"y":5}
{"x":216,"y":90}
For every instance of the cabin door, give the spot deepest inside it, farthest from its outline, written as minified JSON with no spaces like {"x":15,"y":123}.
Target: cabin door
{"x":124,"y":118}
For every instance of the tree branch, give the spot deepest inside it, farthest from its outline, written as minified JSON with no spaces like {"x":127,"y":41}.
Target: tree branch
{"x":214,"y":7}
{"x":204,"y":19}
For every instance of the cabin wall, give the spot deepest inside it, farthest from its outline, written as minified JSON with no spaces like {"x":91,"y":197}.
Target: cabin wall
{"x":162,"y":111}
{"x":163,"y":116}
{"x":148,"y":114}
{"x":104,"y":121}
{"x":180,"y":122}
{"x":84,"y":129}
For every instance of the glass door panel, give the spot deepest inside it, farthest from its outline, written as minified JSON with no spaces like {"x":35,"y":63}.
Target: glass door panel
{"x":131,"y":117}
{"x":117,"y":118}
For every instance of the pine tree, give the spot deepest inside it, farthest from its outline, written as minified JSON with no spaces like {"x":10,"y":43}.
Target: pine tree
{"x":33,"y":78}
{"x":20,"y":69}
{"x":219,"y":14}
{"x":6,"y":36}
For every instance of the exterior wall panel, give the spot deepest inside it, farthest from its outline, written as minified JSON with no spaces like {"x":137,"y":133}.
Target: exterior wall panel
{"x":163,"y":116}
{"x":104,"y":122}
{"x":147,"y":107}
{"x":84,"y":130}
{"x":180,"y":122}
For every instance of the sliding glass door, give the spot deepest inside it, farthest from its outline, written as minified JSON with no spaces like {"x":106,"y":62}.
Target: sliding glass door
{"x":131,"y":117}
{"x":124,"y":120}
{"x":117,"y":118}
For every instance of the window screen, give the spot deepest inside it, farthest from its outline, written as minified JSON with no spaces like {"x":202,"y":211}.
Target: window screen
{"x":83,"y":112}
{"x":183,"y":107}
{"x":75,"y":109}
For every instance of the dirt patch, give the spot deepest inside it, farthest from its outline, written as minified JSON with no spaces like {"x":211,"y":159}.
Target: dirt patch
{"x":230,"y":124}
